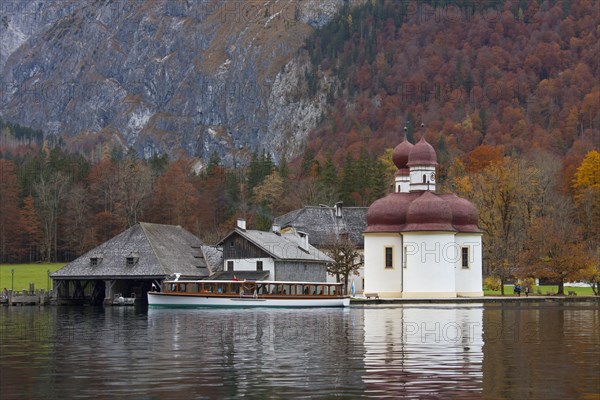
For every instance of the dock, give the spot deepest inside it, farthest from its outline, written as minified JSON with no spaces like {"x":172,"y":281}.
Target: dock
{"x":36,"y":297}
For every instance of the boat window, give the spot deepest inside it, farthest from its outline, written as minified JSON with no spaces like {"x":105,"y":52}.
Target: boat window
{"x":195,"y":287}
{"x":173,"y":287}
{"x":235,"y":288}
{"x":248,"y":288}
{"x":326,"y":290}
{"x":182,"y":287}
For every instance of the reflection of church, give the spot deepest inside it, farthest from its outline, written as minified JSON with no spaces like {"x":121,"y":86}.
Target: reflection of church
{"x":419,"y":243}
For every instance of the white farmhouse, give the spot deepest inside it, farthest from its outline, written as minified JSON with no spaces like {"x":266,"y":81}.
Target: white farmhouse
{"x":418,"y":243}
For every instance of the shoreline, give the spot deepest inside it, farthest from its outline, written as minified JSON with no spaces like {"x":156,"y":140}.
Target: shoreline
{"x":468,"y":300}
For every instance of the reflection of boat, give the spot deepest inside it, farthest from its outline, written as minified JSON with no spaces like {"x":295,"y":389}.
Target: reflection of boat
{"x":208,"y":293}
{"x":119,"y":300}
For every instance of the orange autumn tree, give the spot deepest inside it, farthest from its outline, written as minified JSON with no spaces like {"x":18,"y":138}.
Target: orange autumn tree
{"x":481,"y":156}
{"x":555,"y":251}
{"x":586,"y":188}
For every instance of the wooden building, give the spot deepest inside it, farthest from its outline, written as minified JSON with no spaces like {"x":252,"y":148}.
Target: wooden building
{"x":326,"y":226}
{"x":252,"y":254}
{"x":132,"y":262}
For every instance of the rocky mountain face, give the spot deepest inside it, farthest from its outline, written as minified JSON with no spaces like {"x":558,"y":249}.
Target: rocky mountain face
{"x":19,"y":20}
{"x":164,"y":76}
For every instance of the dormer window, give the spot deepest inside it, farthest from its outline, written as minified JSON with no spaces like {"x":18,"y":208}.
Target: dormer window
{"x":95,"y":260}
{"x":132,"y":259}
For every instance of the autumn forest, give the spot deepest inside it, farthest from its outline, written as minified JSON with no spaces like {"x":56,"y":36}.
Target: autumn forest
{"x":508,"y":94}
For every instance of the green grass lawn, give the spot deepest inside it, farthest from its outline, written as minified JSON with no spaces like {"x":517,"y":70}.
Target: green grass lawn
{"x":27,"y":273}
{"x":508,"y":290}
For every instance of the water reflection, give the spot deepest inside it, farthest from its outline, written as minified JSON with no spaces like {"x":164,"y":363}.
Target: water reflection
{"x":424,"y":350}
{"x":411,"y":351}
{"x":256,"y":352}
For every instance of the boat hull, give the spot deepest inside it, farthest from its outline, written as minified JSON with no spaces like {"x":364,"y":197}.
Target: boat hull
{"x":157,"y":299}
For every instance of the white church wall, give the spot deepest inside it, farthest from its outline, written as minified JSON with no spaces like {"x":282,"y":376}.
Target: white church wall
{"x":431,"y":258}
{"x":386,"y":282}
{"x":469,"y":280}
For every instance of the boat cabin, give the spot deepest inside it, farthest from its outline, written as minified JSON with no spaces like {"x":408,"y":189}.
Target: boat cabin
{"x":254,"y":288}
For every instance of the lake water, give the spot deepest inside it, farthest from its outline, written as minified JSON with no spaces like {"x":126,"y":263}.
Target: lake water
{"x":504,"y":351}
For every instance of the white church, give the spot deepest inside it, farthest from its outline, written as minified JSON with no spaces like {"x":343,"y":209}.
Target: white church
{"x":418,"y":243}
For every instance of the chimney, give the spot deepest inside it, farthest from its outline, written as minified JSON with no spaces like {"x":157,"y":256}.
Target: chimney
{"x":241,"y":224}
{"x":304,"y":241}
{"x":276,"y":229}
{"x":338,"y":209}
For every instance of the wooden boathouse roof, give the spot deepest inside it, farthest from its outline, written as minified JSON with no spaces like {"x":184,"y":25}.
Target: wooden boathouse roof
{"x":141,"y":252}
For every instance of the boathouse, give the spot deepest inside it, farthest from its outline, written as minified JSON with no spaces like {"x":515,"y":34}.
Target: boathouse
{"x":132,"y":262}
{"x":261,"y":255}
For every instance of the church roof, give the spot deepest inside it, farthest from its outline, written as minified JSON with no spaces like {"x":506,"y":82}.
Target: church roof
{"x":401,"y":153}
{"x":422,"y":211}
{"x":422,"y":153}
{"x":155,"y":250}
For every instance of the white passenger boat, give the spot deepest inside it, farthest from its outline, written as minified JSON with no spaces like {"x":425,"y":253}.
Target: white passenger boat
{"x":232,"y":293}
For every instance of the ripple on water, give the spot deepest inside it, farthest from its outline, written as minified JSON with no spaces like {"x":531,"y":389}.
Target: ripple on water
{"x":404,"y":351}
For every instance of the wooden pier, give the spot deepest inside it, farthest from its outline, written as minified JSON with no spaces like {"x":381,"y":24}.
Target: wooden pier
{"x":25,"y":297}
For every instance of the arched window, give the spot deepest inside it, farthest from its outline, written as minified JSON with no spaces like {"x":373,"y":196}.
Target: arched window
{"x":424,"y":178}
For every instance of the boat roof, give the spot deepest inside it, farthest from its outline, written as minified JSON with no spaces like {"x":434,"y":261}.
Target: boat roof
{"x":253,"y":281}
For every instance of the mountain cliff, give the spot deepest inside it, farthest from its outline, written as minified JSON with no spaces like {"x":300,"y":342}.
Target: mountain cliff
{"x":164,"y":76}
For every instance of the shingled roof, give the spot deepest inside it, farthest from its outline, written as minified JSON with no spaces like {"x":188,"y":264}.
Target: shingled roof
{"x":213,"y":255}
{"x":156,"y":251}
{"x":324,"y":227}
{"x":285,"y":246}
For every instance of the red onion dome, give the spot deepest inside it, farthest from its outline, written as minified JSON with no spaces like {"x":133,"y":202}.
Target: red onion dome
{"x":429,"y":213}
{"x":400,"y":154}
{"x":389,"y":213}
{"x":464,"y":214}
{"x":422,"y":153}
